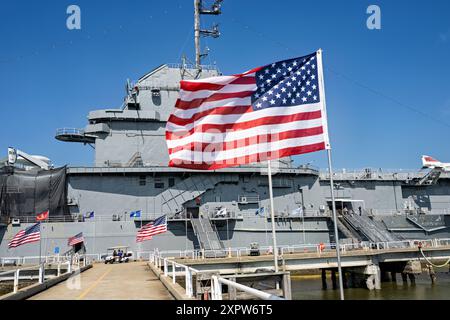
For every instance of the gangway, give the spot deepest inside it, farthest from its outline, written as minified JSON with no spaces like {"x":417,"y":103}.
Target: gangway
{"x":372,"y":230}
{"x":208,"y":237}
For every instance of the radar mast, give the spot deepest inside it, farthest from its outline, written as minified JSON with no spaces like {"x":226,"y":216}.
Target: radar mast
{"x":214,"y":32}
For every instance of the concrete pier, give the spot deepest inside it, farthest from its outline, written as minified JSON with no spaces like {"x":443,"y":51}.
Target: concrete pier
{"x":125,"y":281}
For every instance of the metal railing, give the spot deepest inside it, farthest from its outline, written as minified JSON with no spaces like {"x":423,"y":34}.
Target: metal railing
{"x":216,"y":289}
{"x":316,"y":249}
{"x":188,"y":272}
{"x":374,"y":174}
{"x":69,"y":131}
{"x":71,"y":263}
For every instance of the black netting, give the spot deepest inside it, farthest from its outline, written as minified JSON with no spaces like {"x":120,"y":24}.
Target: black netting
{"x":27,"y":193}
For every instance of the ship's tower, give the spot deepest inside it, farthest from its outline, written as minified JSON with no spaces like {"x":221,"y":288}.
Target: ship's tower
{"x":134,"y":135}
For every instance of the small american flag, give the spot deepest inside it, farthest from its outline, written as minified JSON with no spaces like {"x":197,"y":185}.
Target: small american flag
{"x":153,"y":228}
{"x":75,"y":239}
{"x":30,"y":234}
{"x":269,"y":112}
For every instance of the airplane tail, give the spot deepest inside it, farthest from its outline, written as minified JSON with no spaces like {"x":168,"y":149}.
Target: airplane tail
{"x":428,"y":161}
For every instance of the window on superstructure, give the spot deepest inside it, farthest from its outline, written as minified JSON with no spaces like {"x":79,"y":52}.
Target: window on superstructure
{"x":159,"y":184}
{"x":142,"y":180}
{"x":171,"y":182}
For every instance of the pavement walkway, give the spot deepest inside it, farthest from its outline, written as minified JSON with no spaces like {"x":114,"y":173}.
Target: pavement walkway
{"x":124,"y":281}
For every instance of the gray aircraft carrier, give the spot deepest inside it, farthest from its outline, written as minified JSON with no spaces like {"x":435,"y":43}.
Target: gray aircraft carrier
{"x":210,"y":210}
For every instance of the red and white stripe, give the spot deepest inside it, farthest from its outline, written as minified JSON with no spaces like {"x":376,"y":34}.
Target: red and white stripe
{"x":149,"y":230}
{"x":214,"y":125}
{"x":21,"y":238}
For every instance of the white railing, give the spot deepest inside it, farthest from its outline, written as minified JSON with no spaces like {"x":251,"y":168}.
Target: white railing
{"x":216,"y":289}
{"x":187,"y":272}
{"x":303,"y":248}
{"x":76,"y":262}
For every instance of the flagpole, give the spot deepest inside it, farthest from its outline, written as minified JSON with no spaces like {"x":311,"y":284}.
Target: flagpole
{"x":272,"y":215}
{"x":330,"y":168}
{"x":336,"y":235}
{"x":41,"y":230}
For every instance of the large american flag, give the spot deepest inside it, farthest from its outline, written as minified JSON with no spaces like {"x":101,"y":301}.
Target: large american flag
{"x":158,"y":226}
{"x":78,"y":238}
{"x":30,"y":234}
{"x":266,"y":113}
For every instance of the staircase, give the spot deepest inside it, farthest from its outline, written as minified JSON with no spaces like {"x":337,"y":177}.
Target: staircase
{"x":372,"y":230}
{"x":208,"y":238}
{"x":172,"y":199}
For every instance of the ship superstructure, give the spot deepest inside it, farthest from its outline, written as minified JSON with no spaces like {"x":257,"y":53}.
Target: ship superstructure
{"x":210,"y":210}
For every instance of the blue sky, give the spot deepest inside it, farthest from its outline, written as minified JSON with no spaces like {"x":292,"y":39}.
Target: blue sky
{"x":388,"y":90}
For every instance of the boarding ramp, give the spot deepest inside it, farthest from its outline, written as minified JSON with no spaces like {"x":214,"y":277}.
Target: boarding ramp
{"x":208,"y":238}
{"x":347,"y":230}
{"x":372,"y":230}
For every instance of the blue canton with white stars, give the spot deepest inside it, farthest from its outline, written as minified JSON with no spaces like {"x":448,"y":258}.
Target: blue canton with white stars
{"x":287,"y":83}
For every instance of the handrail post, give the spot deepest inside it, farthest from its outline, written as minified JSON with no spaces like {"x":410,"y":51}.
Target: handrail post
{"x":188,"y":280}
{"x":166,"y":271}
{"x":173,"y":272}
{"x":41,"y":272}
{"x":16,"y":280}
{"x":216,"y":288}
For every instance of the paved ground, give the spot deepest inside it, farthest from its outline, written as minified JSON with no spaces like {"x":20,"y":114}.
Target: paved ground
{"x":125,"y":281}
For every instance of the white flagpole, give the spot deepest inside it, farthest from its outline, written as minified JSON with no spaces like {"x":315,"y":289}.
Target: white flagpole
{"x":272,"y":215}
{"x":328,"y":147}
{"x":41,"y":229}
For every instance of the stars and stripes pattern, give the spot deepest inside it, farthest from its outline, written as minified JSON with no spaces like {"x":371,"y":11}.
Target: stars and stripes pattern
{"x":158,"y":226}
{"x":30,"y":234}
{"x":78,"y":238}
{"x":266,"y":113}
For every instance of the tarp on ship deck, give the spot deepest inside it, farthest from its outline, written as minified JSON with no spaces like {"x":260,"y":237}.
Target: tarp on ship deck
{"x":27,"y":193}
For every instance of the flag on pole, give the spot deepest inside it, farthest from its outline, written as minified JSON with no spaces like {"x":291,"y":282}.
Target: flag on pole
{"x":42,"y":216}
{"x":260,"y":212}
{"x":153,"y":228}
{"x":30,"y":234}
{"x":89,"y":215}
{"x":135,"y":214}
{"x":269,"y":112}
{"x":75,"y":239}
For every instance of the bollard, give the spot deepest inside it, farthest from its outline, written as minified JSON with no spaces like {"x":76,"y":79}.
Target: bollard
{"x":59,"y":269}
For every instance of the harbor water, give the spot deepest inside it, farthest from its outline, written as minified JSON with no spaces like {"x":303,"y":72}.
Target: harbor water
{"x":310,"y":288}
